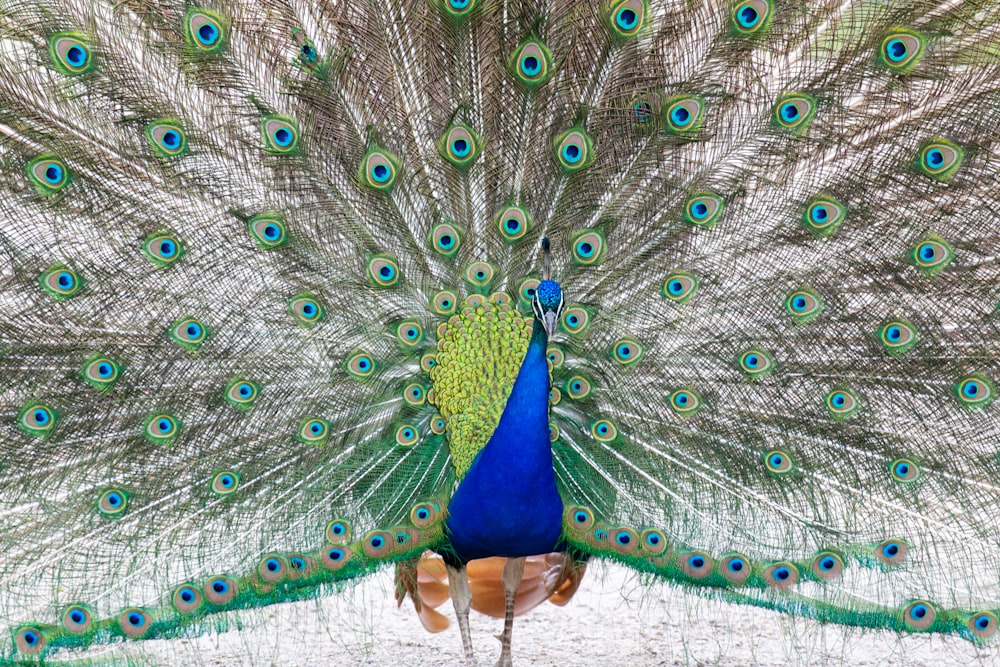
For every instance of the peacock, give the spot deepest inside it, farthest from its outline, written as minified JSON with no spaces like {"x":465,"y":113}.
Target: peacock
{"x":292,"y":292}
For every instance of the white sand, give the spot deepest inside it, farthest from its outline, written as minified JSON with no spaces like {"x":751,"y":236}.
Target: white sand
{"x":612,"y":621}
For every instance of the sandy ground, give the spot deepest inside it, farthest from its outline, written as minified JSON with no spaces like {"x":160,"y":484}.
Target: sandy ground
{"x":613,"y":620}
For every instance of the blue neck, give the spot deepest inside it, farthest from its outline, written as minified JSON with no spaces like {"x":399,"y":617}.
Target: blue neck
{"x":507,"y":504}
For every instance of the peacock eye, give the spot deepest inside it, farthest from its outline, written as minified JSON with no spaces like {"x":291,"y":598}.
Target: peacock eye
{"x":588,"y":247}
{"x":281,"y":135}
{"x":205,"y":30}
{"x":626,"y":18}
{"x":904,"y":470}
{"x":379,"y":169}
{"x":112,"y":502}
{"x":898,"y":336}
{"x":751,"y":16}
{"x":166,"y":137}
{"x":939,"y":159}
{"x":445,"y":239}
{"x":70,"y":53}
{"x":573,"y":150}
{"x":795,"y":112}
{"x":460,"y":146}
{"x":480,"y":274}
{"x":901,"y":50}
{"x":756,"y":363}
{"x":975,"y":391}
{"x":804,"y":305}
{"x":932,"y":255}
{"x":267,"y":230}
{"x":225,"y":483}
{"x":531,"y":64}
{"x":703,"y":209}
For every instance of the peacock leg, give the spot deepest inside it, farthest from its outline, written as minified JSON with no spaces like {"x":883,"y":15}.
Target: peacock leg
{"x":461,"y":596}
{"x":512,"y":571}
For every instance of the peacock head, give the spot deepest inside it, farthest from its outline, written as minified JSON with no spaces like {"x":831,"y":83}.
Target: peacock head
{"x":548,"y":304}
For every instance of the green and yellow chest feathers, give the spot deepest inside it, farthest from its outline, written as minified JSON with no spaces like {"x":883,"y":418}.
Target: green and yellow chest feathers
{"x":479,"y":352}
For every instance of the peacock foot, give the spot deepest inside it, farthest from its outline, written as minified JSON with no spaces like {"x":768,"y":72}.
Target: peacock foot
{"x":505,"y":653}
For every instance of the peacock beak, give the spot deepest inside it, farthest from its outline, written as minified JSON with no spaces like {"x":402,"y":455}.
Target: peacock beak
{"x":549,"y":322}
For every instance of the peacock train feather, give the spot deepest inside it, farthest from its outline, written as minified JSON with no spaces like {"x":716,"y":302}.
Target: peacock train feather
{"x":294,"y":291}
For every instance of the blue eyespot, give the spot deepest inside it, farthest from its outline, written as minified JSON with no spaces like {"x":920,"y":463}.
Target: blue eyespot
{"x":736,"y":565}
{"x":571,"y":153}
{"x":41,"y":417}
{"x":207,"y":34}
{"x":827,"y":563}
{"x":136,"y":620}
{"x":283,"y":137}
{"x":53,"y":174}
{"x":624,"y":539}
{"x":747,"y":17}
{"x":893,"y":333}
{"x":895,"y":50}
{"x":335,"y":554}
{"x":76,"y":55}
{"x":890,"y":550}
{"x":782,"y":573}
{"x":376,"y":542}
{"x":699,"y":210}
{"x":296,"y":563}
{"x":381,"y":173}
{"x":220,"y":586}
{"x":187,"y":595}
{"x":918,"y":611}
{"x":697,"y":562}
{"x":789,"y":112}
{"x":531,"y":65}
{"x":626,"y":19}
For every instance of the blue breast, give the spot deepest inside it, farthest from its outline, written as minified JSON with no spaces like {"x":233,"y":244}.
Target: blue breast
{"x":507,"y":504}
